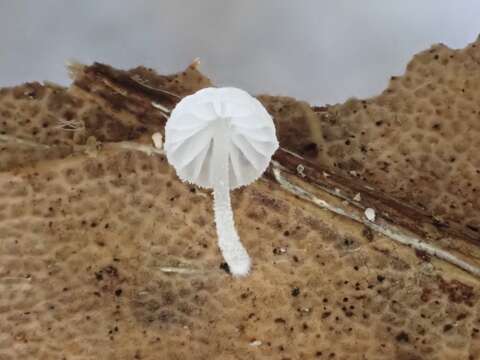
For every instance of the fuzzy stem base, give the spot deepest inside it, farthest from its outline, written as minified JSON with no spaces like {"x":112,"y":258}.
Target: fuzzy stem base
{"x":228,"y":240}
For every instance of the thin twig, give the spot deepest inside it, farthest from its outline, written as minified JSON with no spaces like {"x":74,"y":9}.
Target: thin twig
{"x":387,"y":229}
{"x":162,"y":91}
{"x":159,"y":106}
{"x":70,"y":125}
{"x":130,"y":145}
{"x":24,"y":142}
{"x":178,"y":270}
{"x":163,"y":110}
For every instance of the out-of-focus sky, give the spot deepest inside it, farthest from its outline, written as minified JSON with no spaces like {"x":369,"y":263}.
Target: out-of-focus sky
{"x":319,"y":51}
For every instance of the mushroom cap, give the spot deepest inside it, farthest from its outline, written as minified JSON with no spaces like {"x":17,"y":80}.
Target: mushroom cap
{"x":228,"y":112}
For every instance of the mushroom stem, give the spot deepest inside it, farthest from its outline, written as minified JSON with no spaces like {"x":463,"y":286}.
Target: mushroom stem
{"x":228,"y":240}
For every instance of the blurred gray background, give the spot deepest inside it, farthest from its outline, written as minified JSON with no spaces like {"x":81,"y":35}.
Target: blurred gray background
{"x":320,"y":51}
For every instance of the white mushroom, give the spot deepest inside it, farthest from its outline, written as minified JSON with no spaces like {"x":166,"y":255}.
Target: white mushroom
{"x":221,"y":138}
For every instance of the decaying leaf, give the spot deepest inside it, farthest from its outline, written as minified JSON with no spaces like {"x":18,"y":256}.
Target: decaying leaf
{"x":105,"y":253}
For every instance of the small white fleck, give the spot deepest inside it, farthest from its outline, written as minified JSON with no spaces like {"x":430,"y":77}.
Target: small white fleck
{"x":337,"y":191}
{"x":256,"y":343}
{"x":325,"y":174}
{"x":357,"y":197}
{"x":370,"y":214}
{"x":157,"y":140}
{"x":353,"y":173}
{"x":300,"y":170}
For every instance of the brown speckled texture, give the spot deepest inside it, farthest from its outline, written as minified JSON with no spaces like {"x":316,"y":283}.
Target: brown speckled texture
{"x":418,"y":141}
{"x":106,"y":254}
{"x":34,"y":112}
{"x":81,"y":273}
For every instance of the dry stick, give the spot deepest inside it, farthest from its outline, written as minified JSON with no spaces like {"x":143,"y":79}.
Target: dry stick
{"x":127,"y":145}
{"x":70,"y":125}
{"x":389,"y":230}
{"x":169,"y":93}
{"x":28,"y":143}
{"x":131,"y":145}
{"x":160,"y":107}
{"x":178,"y":270}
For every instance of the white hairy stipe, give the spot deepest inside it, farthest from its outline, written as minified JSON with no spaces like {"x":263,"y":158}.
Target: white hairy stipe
{"x":228,"y":240}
